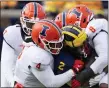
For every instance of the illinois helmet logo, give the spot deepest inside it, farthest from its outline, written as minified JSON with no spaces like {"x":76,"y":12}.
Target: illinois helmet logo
{"x":43,"y":32}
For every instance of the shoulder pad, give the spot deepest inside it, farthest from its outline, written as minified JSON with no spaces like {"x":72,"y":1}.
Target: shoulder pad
{"x":40,"y":59}
{"x":11,"y":33}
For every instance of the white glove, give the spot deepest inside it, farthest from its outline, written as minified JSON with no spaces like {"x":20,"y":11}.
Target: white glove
{"x":96,"y":79}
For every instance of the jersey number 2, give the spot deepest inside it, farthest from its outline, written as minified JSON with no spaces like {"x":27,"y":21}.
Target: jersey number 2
{"x":61,"y":66}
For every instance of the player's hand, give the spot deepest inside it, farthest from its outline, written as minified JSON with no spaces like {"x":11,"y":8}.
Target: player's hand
{"x":75,"y":83}
{"x":96,"y":79}
{"x":78,"y":66}
{"x":18,"y":85}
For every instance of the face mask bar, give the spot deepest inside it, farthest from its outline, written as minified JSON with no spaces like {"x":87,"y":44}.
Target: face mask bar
{"x":27,"y":24}
{"x":53,"y":45}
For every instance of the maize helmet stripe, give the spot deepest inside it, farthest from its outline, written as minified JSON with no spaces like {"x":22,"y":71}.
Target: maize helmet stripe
{"x":77,"y":29}
{"x":57,"y":28}
{"x":74,"y":31}
{"x":63,"y":19}
{"x":69,"y":33}
{"x":35,"y":9}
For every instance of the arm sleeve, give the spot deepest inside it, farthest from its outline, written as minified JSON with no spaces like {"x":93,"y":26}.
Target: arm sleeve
{"x":8,"y":62}
{"x":48,"y":79}
{"x":101,"y":47}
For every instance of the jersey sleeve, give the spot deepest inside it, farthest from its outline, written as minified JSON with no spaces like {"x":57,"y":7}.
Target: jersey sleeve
{"x":98,"y":34}
{"x":95,"y":26}
{"x":48,"y":79}
{"x":40,"y":62}
{"x":41,"y":67}
{"x":10,"y":35}
{"x":8,"y":55}
{"x":38,"y":65}
{"x":8,"y":60}
{"x":101,"y":48}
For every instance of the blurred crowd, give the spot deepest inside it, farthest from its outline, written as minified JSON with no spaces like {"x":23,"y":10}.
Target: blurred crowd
{"x":52,"y":8}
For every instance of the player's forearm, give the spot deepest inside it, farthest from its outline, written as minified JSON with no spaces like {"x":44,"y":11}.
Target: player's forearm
{"x":101,"y":47}
{"x":7,"y":62}
{"x":99,"y":64}
{"x":48,"y":79}
{"x":60,"y":80}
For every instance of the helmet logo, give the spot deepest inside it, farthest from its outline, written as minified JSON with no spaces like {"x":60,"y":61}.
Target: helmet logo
{"x":76,"y":12}
{"x":43,"y":32}
{"x":87,"y":10}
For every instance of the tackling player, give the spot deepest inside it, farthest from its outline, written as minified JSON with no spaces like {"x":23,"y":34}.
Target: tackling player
{"x":34,"y":68}
{"x":76,"y":51}
{"x":96,"y":30}
{"x":13,"y":40}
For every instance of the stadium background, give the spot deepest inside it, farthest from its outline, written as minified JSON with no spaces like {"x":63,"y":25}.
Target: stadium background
{"x":10,"y":10}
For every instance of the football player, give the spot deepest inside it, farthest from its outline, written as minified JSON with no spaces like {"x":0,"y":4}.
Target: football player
{"x":97,"y":32}
{"x":71,"y":55}
{"x":83,"y":17}
{"x":13,"y":37}
{"x":76,"y":51}
{"x":34,"y":68}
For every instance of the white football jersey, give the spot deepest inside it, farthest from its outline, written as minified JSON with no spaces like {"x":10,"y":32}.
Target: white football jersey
{"x":34,"y":68}
{"x":12,"y":36}
{"x":94,"y":27}
{"x":12,"y":46}
{"x":97,"y":31}
{"x":32,"y":56}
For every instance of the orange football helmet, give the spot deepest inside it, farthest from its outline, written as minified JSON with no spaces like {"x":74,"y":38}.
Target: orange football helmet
{"x":79,"y":15}
{"x":61,"y":19}
{"x":31,"y":13}
{"x":47,"y":35}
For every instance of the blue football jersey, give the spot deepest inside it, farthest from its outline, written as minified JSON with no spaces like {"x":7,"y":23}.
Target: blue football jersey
{"x":63,"y":62}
